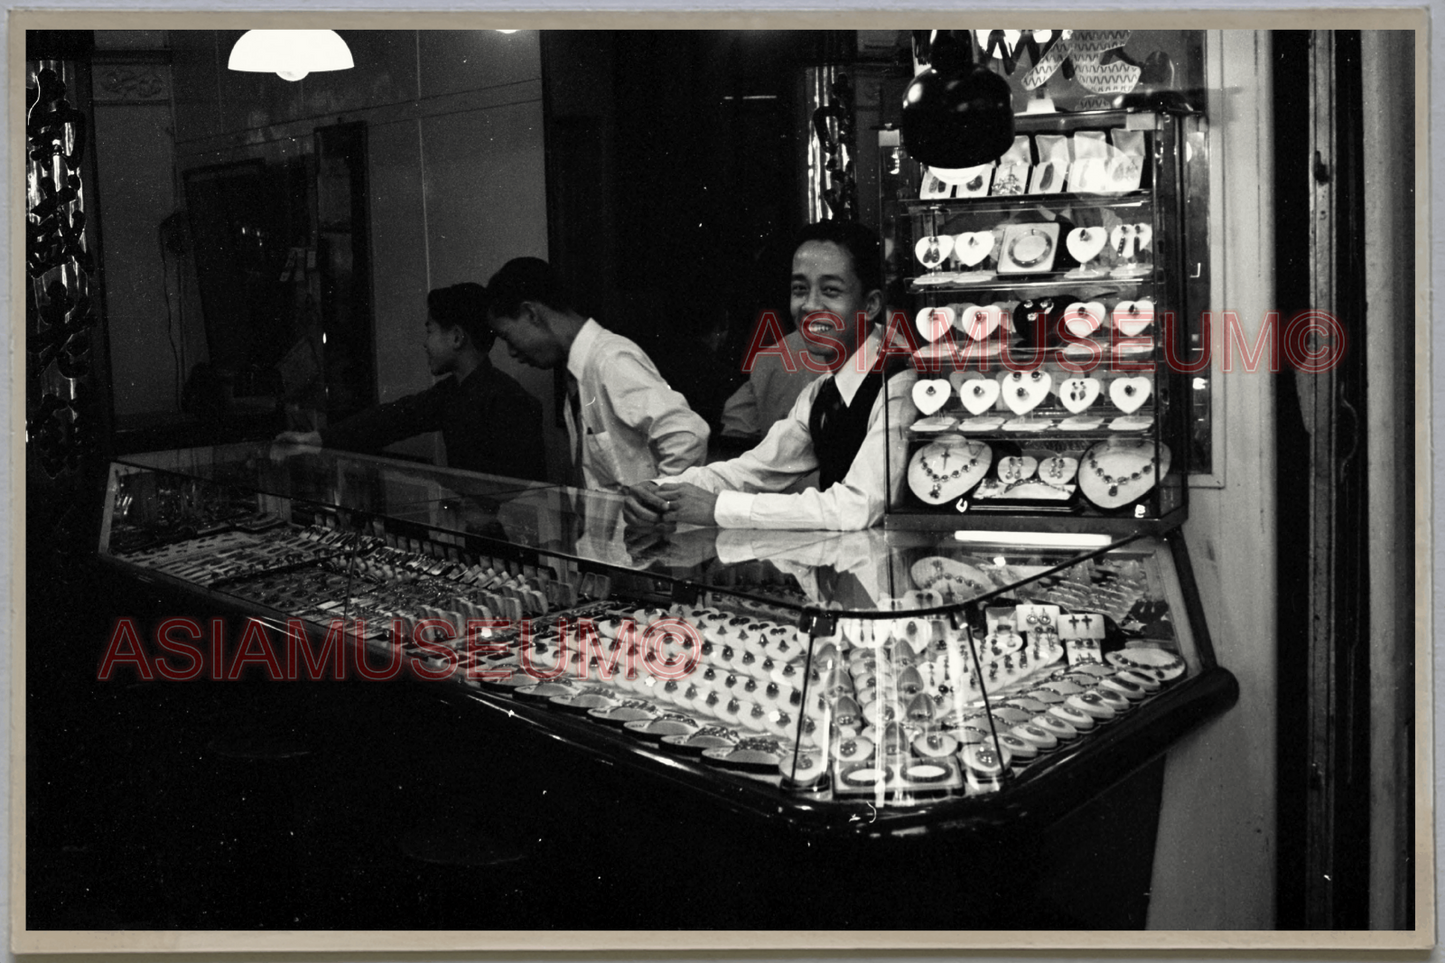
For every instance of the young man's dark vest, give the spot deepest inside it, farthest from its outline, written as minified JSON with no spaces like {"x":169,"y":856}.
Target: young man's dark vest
{"x":838,"y":429}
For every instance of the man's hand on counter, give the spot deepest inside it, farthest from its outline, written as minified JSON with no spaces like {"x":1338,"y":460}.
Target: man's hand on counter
{"x":649,"y":502}
{"x":690,"y":504}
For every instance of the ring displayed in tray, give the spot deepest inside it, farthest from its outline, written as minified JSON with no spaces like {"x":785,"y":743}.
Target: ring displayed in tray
{"x":707,"y":737}
{"x":866,"y":776}
{"x":620,"y":714}
{"x":927,"y":772}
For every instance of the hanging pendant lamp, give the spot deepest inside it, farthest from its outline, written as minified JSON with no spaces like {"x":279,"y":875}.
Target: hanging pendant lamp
{"x":957,"y":113}
{"x":290,"y":54}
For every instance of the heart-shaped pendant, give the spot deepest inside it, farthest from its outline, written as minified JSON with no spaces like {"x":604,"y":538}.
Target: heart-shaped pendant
{"x":1076,"y":394}
{"x":980,"y":321}
{"x":915,"y":633}
{"x":931,"y":250}
{"x":971,"y":248}
{"x":1132,"y":317}
{"x":1082,"y":318}
{"x":1121,"y":241}
{"x":1005,"y":641}
{"x":978,"y":395}
{"x":1127,"y":240}
{"x":1023,"y":390}
{"x":933,"y":323}
{"x":1128,"y":394}
{"x":1085,"y":243}
{"x":1033,"y":322}
{"x":929,"y":396}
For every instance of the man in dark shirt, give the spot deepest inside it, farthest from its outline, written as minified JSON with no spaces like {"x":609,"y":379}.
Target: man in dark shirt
{"x":488,"y":421}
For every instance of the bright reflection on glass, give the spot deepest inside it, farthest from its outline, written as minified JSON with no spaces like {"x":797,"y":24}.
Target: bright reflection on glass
{"x":1039,"y":539}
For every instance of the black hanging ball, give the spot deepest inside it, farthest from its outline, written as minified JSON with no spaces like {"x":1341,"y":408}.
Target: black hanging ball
{"x":957,"y":113}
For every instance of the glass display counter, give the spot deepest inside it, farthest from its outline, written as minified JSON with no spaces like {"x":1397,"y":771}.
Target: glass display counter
{"x":925,"y":680}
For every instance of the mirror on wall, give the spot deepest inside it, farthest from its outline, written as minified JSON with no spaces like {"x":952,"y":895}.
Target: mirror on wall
{"x":282,"y":255}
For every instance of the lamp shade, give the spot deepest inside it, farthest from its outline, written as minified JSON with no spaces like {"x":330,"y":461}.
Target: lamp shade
{"x":290,"y":54}
{"x":957,"y":113}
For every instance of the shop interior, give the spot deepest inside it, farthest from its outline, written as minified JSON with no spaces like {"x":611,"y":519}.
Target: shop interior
{"x":241,"y":254}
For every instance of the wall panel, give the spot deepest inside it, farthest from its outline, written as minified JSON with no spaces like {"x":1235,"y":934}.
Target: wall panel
{"x":147,"y":343}
{"x":453,"y":61}
{"x":1214,"y":864}
{"x":486,"y":204}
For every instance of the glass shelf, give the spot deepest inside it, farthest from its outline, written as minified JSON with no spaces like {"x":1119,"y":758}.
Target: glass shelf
{"x":1013,"y":203}
{"x":1023,"y":436}
{"x":1058,"y":282}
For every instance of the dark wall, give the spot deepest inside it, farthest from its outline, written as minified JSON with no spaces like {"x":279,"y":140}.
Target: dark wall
{"x":673,"y":160}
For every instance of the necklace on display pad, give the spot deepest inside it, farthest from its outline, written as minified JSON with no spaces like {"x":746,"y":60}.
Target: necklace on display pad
{"x":930,"y":573}
{"x":941,"y":470}
{"x":940,"y":473}
{"x":1114,"y":473}
{"x":1114,"y":483}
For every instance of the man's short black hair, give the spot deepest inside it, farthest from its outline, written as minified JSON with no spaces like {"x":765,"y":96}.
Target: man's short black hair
{"x":463,"y":306}
{"x":860,"y":242}
{"x":527,"y":279}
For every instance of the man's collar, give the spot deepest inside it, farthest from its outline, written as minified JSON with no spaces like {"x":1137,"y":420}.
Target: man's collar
{"x":582,"y":347}
{"x":855,"y":369}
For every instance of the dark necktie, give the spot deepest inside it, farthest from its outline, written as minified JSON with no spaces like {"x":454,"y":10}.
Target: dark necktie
{"x":575,"y":478}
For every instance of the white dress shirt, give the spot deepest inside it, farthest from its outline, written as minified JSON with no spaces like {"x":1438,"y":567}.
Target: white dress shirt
{"x":634,"y":427}
{"x":764,"y":488}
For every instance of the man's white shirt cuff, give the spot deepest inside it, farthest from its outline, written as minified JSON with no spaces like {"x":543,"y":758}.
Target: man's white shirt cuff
{"x":734,"y":510}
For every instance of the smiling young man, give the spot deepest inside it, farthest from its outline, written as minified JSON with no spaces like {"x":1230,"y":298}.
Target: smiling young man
{"x":486,"y":418}
{"x":837,"y":425}
{"x":624,"y":422}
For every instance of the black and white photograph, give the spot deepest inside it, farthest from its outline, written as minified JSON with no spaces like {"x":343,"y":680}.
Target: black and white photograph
{"x":707,"y":481}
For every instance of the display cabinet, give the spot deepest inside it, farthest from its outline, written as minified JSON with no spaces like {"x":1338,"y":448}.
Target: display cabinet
{"x":1046,"y":299}
{"x":927,"y":681}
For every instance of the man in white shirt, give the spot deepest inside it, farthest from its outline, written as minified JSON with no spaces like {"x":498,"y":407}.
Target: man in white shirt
{"x":625,"y":423}
{"x":837,"y":425}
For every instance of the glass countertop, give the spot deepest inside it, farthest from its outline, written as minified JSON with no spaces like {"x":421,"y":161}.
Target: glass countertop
{"x":327,"y":477}
{"x":846,"y":573}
